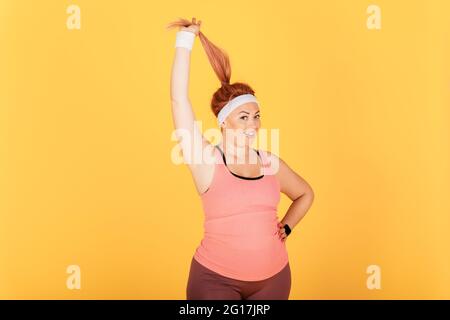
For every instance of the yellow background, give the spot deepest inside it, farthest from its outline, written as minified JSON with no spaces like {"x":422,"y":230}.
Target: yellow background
{"x":86,"y":176}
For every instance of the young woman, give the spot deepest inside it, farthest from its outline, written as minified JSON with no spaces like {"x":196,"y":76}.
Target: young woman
{"x":243,"y":253}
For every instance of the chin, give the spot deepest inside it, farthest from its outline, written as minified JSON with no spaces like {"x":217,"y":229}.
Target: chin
{"x":249,"y":141}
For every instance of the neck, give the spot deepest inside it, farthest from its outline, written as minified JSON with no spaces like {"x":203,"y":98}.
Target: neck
{"x":237,"y":153}
{"x":235,"y":150}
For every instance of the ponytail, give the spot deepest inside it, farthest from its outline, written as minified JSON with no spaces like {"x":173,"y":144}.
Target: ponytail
{"x":220,"y":63}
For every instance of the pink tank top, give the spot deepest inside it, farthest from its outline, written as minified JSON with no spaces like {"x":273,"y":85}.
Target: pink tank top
{"x":240,"y":227}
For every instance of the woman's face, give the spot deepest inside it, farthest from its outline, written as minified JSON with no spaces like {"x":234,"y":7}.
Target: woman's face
{"x":243,"y":124}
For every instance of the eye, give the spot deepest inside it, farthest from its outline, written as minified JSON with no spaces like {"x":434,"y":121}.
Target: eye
{"x":244,"y":117}
{"x":257,"y":116}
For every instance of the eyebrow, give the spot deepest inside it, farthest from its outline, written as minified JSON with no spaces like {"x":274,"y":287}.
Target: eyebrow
{"x":248,"y":112}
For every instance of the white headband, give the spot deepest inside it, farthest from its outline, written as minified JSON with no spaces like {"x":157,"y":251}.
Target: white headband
{"x":233,"y":104}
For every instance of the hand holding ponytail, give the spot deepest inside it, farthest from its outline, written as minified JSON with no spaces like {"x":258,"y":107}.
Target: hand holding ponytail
{"x":186,"y":25}
{"x":194,"y":27}
{"x":220,"y":63}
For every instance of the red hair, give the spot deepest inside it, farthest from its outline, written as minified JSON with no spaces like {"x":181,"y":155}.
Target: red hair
{"x":221,"y":65}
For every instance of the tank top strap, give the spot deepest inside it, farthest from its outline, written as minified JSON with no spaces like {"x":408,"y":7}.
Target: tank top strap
{"x":219,"y":154}
{"x":269,"y":162}
{"x":220,"y":157}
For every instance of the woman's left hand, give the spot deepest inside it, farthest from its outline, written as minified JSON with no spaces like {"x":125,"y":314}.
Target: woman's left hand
{"x":281,"y":232}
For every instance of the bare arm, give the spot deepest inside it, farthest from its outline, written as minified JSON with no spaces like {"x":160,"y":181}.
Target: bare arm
{"x":298,"y":190}
{"x":182,"y":112}
{"x":192,"y":142}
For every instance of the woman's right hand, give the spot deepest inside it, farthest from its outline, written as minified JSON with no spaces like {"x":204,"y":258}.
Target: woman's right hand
{"x":194,"y":27}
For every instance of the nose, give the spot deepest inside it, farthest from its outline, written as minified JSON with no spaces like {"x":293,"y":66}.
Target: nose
{"x":253,"y":124}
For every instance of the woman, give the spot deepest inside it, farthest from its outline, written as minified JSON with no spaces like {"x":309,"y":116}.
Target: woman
{"x":243,"y":253}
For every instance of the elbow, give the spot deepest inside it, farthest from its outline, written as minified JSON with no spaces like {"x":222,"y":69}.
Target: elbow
{"x":308,"y":193}
{"x":178,"y":99}
{"x":178,"y":95}
{"x":310,"y":196}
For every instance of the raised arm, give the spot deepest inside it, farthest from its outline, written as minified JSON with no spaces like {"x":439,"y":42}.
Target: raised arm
{"x":192,"y":142}
{"x":184,"y":119}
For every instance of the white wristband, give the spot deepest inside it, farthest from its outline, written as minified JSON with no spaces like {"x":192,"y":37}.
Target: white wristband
{"x":185,"y":39}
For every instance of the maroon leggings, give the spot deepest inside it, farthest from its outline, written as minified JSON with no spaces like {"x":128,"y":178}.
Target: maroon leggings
{"x":205,"y":284}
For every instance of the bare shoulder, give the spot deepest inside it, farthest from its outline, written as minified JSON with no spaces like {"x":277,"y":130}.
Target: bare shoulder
{"x":273,"y":162}
{"x":292,"y":184}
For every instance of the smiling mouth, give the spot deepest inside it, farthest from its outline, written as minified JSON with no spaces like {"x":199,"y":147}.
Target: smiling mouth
{"x":250,"y":134}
